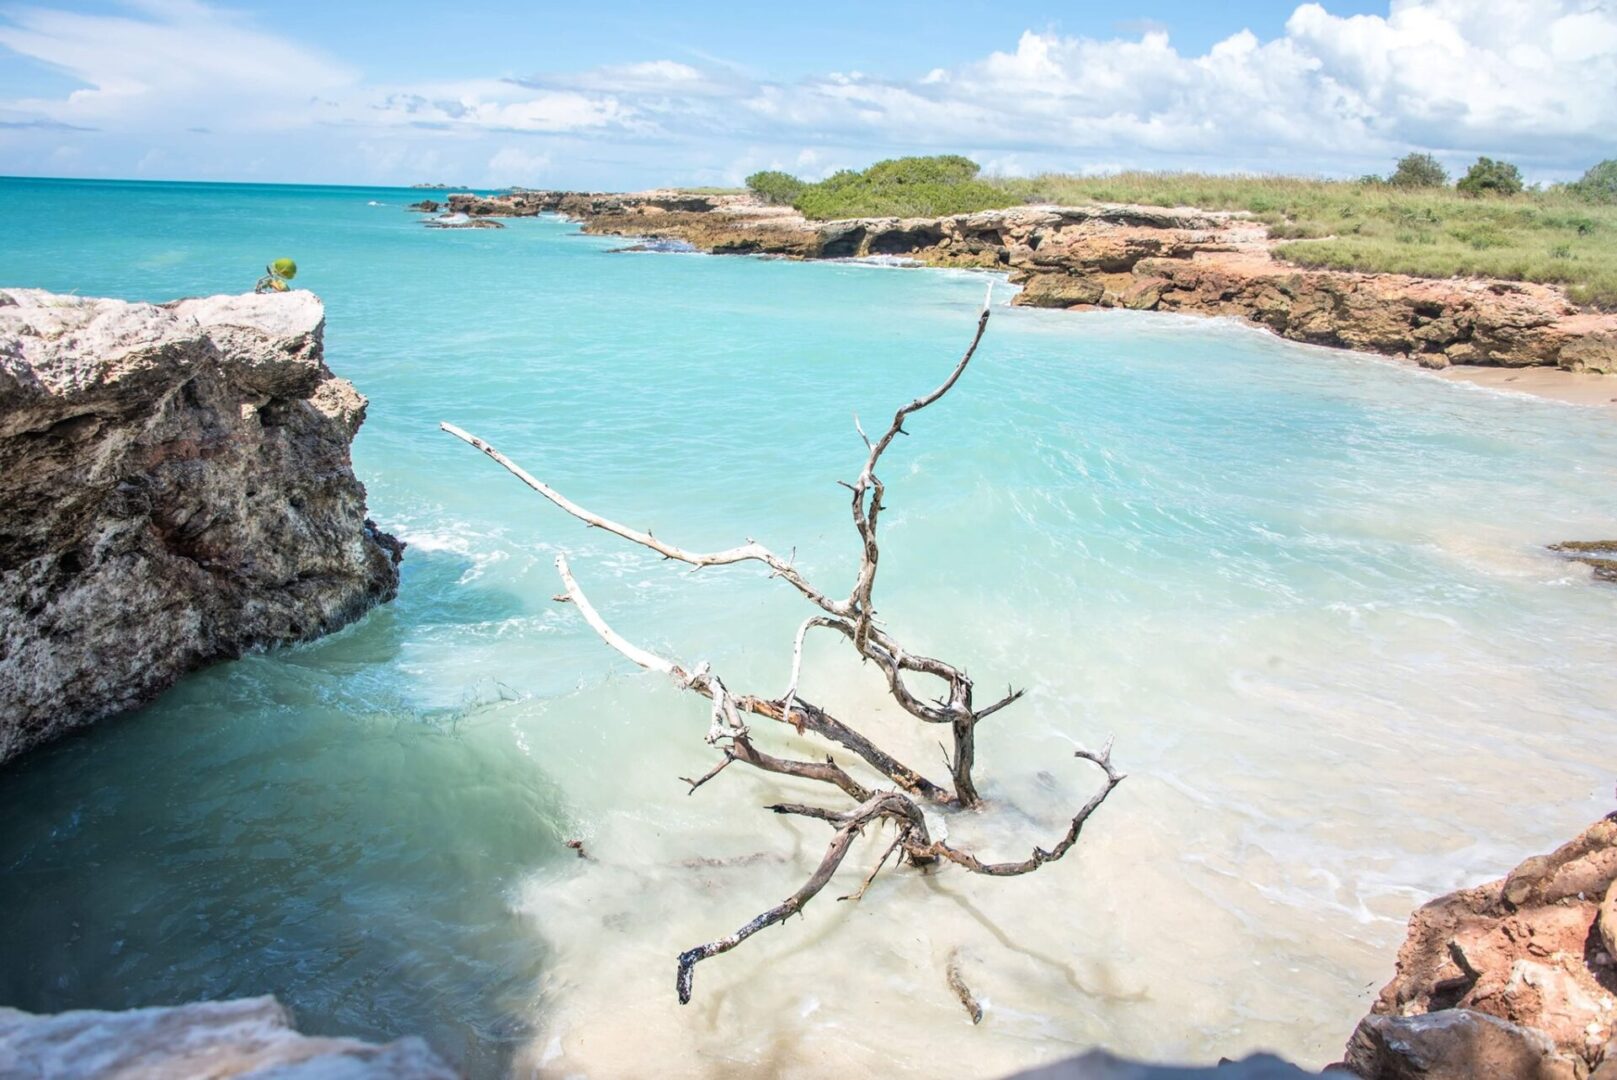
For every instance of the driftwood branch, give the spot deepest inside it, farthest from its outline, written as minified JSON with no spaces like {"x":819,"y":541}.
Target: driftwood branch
{"x":957,"y":983}
{"x":947,"y":699}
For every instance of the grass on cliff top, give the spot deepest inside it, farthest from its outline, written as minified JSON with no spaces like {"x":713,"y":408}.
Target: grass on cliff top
{"x":1551,"y":236}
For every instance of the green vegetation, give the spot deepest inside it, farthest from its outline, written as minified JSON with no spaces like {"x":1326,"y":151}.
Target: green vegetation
{"x":1554,"y":236}
{"x":1419,"y":171}
{"x":775,"y":188}
{"x":276,"y":275}
{"x":1490,"y":177}
{"x":1565,"y":235}
{"x":903,"y":187}
{"x":1599,"y":184}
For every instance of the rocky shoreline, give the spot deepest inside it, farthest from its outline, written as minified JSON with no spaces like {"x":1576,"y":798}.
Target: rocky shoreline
{"x":1136,"y":257}
{"x":177,"y":490}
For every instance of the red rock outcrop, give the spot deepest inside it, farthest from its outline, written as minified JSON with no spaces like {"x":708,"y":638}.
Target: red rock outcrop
{"x":1533,"y":950}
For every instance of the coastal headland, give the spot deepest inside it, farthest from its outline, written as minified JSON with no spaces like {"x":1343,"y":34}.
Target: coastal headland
{"x":1147,"y":259}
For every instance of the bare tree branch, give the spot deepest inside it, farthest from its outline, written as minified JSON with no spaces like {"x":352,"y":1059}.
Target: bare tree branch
{"x":804,"y":715}
{"x":958,"y":984}
{"x":859,"y":894}
{"x":751,"y":551}
{"x":849,"y":825}
{"x":710,"y":774}
{"x":855,"y":620}
{"x":941,"y":849}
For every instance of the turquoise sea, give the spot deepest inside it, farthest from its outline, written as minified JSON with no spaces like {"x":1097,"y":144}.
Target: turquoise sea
{"x":1306,"y":590}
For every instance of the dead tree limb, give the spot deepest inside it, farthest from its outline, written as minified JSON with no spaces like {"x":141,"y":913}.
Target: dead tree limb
{"x":957,"y":983}
{"x":947,"y":701}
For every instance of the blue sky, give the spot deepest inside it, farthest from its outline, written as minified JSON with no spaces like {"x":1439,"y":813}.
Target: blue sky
{"x":636,"y":94}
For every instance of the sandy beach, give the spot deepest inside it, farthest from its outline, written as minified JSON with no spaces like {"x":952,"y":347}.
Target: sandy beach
{"x":1575,"y":388}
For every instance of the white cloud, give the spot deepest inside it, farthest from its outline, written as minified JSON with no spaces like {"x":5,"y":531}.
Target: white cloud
{"x":1533,"y":80}
{"x":512,"y":165}
{"x":181,"y":65}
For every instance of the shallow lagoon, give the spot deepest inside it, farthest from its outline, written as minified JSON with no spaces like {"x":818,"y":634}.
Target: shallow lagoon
{"x":1305,"y":589}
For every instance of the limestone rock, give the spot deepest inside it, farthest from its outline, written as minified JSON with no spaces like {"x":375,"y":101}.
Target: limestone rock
{"x":251,"y":1037}
{"x":175,"y":488}
{"x":1456,"y":1044}
{"x":1061,"y":291}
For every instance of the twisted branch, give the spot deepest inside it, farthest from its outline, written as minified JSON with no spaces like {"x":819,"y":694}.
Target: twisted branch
{"x":855,"y":620}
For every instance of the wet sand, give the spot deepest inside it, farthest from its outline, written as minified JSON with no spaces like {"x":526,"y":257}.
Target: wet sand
{"x":1576,"y":388}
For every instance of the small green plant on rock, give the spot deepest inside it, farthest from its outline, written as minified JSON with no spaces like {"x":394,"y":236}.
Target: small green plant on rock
{"x":276,"y":275}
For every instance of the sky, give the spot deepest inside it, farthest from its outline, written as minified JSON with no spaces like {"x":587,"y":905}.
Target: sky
{"x":629,"y":95}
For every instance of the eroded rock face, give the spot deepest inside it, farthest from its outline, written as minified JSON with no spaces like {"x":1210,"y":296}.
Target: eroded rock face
{"x":1533,"y":950}
{"x":175,"y":488}
{"x":252,"y":1037}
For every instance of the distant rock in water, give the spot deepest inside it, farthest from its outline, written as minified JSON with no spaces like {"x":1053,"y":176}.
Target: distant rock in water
{"x":461,"y":221}
{"x":220,"y":1039}
{"x":663,"y":247}
{"x":1598,"y":555}
{"x":175,"y":489}
{"x":425,"y":206}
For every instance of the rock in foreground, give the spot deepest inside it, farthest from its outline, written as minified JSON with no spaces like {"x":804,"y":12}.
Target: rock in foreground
{"x":252,"y":1037}
{"x":175,"y":489}
{"x":1515,"y":978}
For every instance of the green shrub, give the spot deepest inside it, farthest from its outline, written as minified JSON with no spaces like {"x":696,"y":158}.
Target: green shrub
{"x":1490,"y":177}
{"x":776,"y":188}
{"x":904,"y":187}
{"x":1419,"y":171}
{"x":1599,"y":184}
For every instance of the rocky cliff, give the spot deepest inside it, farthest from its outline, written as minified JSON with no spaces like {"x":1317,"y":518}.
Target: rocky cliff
{"x":175,"y":488}
{"x":1146,"y":258}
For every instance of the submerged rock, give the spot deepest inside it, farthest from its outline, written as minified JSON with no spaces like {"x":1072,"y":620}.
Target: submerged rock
{"x":1515,"y":978}
{"x":175,"y":488}
{"x":1599,"y":555}
{"x":252,"y":1037}
{"x":461,"y":221}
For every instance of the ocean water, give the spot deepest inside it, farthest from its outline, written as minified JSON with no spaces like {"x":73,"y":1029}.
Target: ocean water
{"x":1307,"y":592}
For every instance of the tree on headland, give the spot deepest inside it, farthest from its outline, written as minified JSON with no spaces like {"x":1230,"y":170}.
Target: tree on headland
{"x":1490,"y":177}
{"x":869,"y":788}
{"x":1419,"y":171}
{"x":1599,"y":184}
{"x":774,"y":187}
